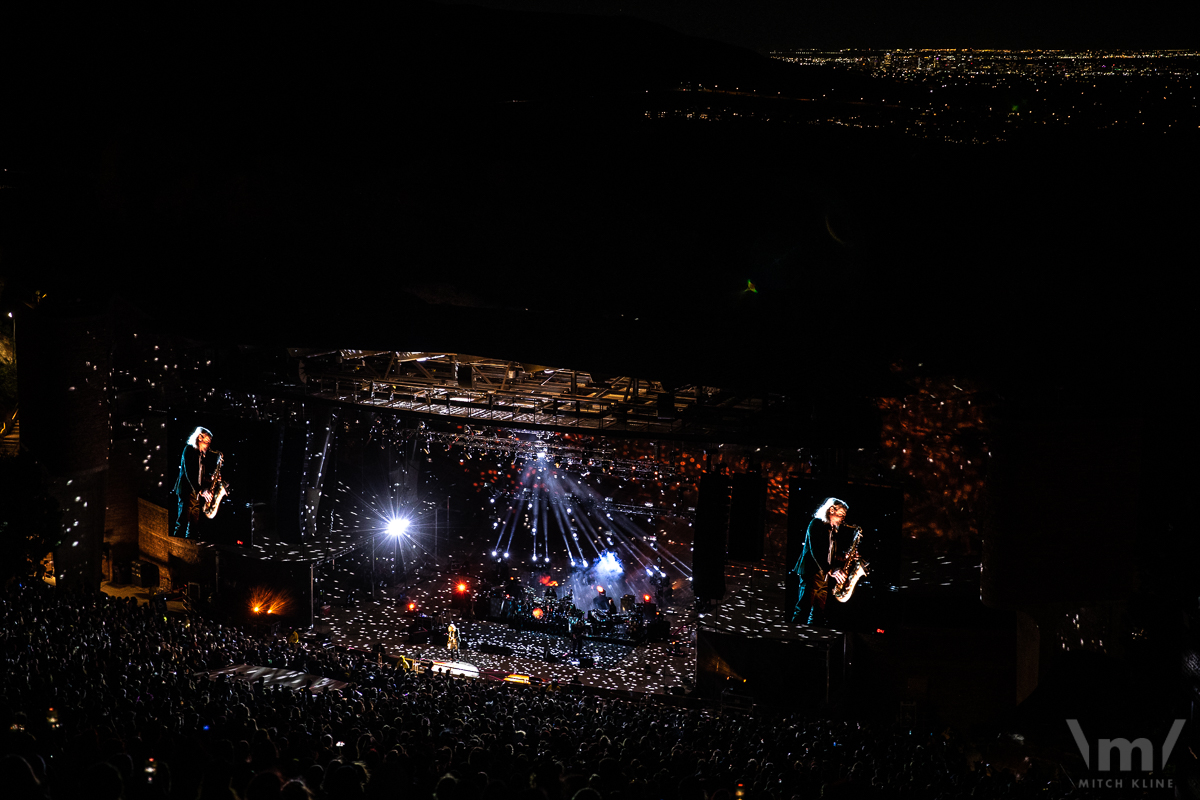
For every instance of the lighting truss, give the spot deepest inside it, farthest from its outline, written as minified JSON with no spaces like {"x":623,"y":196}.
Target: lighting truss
{"x":511,"y":393}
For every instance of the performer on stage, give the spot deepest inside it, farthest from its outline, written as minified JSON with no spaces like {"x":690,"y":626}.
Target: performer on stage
{"x":190,"y":485}
{"x":577,"y":633}
{"x":821,"y":561}
{"x":452,"y":638}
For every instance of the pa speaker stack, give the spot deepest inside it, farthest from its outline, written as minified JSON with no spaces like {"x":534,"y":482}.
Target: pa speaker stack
{"x":747,"y":516}
{"x":708,"y":543}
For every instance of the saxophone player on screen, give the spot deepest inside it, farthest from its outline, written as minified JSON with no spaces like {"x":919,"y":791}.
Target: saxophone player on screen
{"x":199,"y":484}
{"x":829,"y":564}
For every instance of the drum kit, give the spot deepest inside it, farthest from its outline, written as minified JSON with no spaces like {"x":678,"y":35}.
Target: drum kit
{"x":528,"y":608}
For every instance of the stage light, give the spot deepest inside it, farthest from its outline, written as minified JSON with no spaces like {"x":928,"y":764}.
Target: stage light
{"x":462,"y":587}
{"x":267,"y":601}
{"x":538,"y":613}
{"x":397,"y":527}
{"x":645,"y":598}
{"x":608,"y":562}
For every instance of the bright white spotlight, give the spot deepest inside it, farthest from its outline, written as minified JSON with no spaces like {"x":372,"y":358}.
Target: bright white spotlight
{"x":608,"y":563}
{"x":397,"y":527}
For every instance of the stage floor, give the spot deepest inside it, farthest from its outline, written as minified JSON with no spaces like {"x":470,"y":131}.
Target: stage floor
{"x":655,"y":667}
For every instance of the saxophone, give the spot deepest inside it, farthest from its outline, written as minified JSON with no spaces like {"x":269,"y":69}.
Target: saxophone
{"x":219,"y":489}
{"x":855,"y":568}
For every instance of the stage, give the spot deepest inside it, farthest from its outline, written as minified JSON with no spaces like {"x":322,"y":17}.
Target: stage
{"x":654,"y":667}
{"x":750,"y":618}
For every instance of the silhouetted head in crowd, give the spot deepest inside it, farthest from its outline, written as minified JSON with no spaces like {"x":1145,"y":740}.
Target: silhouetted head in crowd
{"x":18,"y":780}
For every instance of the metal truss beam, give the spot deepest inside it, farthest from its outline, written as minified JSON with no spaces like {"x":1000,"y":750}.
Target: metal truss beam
{"x":509,"y":393}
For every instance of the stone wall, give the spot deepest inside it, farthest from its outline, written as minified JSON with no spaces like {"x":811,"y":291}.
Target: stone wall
{"x":178,"y":560}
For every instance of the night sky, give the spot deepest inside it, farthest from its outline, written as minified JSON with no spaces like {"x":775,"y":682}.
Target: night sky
{"x":778,"y":24}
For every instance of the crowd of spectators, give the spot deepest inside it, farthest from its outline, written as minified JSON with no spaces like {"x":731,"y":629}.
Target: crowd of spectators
{"x":103,"y":698}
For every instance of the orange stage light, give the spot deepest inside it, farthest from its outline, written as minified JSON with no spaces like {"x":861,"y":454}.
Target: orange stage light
{"x":268,"y":601}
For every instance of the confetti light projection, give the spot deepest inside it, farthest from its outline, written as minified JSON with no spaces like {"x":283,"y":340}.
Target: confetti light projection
{"x":937,"y":440}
